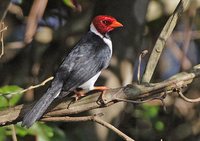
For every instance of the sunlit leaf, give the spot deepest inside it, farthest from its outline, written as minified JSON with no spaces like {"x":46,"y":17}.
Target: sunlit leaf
{"x":151,"y":111}
{"x":14,"y":99}
{"x":59,"y":135}
{"x":3,"y":102}
{"x":2,"y":134}
{"x":159,"y":125}
{"x":9,"y":95}
{"x":42,"y":131}
{"x":6,"y":90}
{"x":69,"y":3}
{"x":20,"y":131}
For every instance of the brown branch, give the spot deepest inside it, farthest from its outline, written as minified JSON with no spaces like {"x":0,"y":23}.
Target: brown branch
{"x":7,"y":6}
{"x":95,"y":99}
{"x":188,"y":99}
{"x":35,"y":86}
{"x":31,"y":87}
{"x":2,"y":38}
{"x":14,"y":136}
{"x":142,"y":54}
{"x":94,"y":118}
{"x":36,"y":13}
{"x":160,"y":43}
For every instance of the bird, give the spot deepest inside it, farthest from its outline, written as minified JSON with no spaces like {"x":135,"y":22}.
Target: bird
{"x":80,"y":68}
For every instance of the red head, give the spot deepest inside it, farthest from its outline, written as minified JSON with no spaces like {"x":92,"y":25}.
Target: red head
{"x":105,"y":24}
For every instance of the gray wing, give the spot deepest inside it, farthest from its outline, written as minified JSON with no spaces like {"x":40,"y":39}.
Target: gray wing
{"x":89,"y":56}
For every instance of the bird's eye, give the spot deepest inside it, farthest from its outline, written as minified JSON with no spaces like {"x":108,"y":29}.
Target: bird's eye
{"x":106,"y":22}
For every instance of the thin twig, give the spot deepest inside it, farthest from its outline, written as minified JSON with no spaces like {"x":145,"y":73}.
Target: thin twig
{"x":39,"y":85}
{"x":144,"y":52}
{"x":5,"y":12}
{"x":94,"y":118}
{"x":160,"y":43}
{"x":2,"y":41}
{"x":14,"y":136}
{"x":31,"y":87}
{"x":118,"y":132}
{"x":188,"y":99}
{"x":5,"y":28}
{"x":186,"y":42}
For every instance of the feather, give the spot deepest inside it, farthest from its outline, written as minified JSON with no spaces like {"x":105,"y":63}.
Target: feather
{"x":41,"y":106}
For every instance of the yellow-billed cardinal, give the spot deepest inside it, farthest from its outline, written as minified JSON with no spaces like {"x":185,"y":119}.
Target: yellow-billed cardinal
{"x":81,"y":67}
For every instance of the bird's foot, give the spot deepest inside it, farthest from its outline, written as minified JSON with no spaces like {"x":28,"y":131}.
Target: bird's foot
{"x":82,"y":93}
{"x":79,"y":94}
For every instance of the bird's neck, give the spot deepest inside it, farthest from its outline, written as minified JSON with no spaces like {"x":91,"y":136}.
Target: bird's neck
{"x":95,"y":31}
{"x":106,"y":37}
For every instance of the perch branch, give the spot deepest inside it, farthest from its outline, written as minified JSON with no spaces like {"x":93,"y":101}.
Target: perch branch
{"x":95,"y":99}
{"x":160,"y":43}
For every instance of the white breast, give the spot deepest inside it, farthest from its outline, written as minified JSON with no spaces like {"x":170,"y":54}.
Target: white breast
{"x":89,"y":85}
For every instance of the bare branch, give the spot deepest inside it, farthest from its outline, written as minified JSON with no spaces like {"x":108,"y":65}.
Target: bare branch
{"x":31,"y":87}
{"x":8,"y":4}
{"x":95,"y":99}
{"x":14,"y":136}
{"x":5,"y":28}
{"x":144,"y":52}
{"x":36,"y":13}
{"x":36,"y":86}
{"x":94,"y":118}
{"x":164,"y":35}
{"x":1,"y":36}
{"x":121,"y":134}
{"x":188,"y":99}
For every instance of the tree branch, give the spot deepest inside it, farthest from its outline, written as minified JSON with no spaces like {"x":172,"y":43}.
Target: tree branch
{"x":94,"y":118}
{"x":160,"y":43}
{"x":2,"y":29}
{"x":95,"y":99}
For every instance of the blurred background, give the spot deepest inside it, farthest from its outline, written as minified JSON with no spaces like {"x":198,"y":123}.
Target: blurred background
{"x":41,"y":32}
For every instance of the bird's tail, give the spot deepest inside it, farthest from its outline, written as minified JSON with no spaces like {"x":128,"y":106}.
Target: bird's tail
{"x":41,"y":106}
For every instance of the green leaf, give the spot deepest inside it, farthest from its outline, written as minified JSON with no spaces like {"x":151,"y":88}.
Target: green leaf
{"x":20,"y":131}
{"x":14,"y":99}
{"x":151,"y":111}
{"x":69,"y":3}
{"x":6,"y":90}
{"x":3,"y":102}
{"x":10,"y":95}
{"x":159,"y":125}
{"x":2,"y":134}
{"x":59,"y":135}
{"x":42,"y":131}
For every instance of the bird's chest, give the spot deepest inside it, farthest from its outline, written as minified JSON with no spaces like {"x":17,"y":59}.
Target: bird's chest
{"x":89,"y":85}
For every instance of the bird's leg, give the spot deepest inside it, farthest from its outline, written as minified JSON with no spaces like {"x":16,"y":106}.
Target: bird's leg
{"x":100,"y":88}
{"x":79,"y":94}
